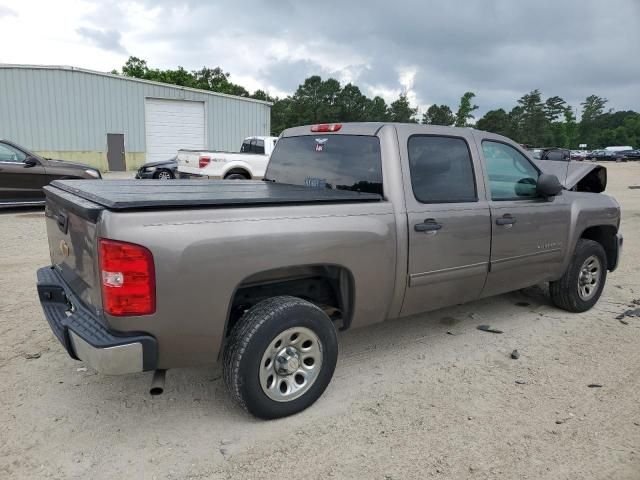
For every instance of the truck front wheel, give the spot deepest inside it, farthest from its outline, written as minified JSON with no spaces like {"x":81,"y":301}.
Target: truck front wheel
{"x":581,"y":285}
{"x":280,"y":357}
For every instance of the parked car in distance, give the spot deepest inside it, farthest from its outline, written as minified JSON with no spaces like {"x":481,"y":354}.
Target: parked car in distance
{"x":23,"y":174}
{"x":249,"y":164}
{"x":551,"y":153}
{"x":606,"y":155}
{"x":631,"y":154}
{"x":162,"y":170}
{"x":554,"y":153}
{"x":578,"y":155}
{"x":353,"y":224}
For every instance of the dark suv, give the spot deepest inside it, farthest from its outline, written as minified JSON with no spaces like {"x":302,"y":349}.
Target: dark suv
{"x":23,"y":174}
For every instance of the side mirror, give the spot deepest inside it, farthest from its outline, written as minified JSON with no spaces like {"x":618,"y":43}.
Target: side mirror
{"x":30,"y":162}
{"x":548,"y":185}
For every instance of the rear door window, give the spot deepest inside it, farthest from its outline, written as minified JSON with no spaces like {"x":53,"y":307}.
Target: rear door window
{"x":341,"y":162}
{"x":441,"y":169}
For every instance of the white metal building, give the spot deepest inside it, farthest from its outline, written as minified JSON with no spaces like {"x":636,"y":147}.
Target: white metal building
{"x":115,"y":122}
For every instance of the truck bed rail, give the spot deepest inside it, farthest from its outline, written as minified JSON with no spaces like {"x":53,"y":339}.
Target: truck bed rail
{"x":142,"y":194}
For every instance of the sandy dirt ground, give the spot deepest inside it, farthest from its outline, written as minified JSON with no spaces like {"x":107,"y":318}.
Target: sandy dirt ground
{"x":408,"y":400}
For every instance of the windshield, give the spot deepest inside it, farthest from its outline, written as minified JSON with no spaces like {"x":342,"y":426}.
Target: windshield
{"x":341,"y":162}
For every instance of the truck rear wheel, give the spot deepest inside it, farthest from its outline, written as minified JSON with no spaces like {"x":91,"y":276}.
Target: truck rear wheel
{"x":280,"y":357}
{"x":581,"y":285}
{"x":237,"y":175}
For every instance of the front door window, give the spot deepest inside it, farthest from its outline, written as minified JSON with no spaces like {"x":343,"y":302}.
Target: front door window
{"x":511,"y":175}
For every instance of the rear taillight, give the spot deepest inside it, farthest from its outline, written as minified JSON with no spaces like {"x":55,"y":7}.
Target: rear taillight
{"x":128,"y":279}
{"x":326,"y":127}
{"x":204,"y":161}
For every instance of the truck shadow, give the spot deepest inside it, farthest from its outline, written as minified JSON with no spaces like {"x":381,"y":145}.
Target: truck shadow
{"x":23,"y":212}
{"x":201,"y":391}
{"x":464,"y":319}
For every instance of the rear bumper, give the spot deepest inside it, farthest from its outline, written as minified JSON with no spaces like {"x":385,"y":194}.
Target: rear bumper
{"x":616,"y":253}
{"x":85,"y":338}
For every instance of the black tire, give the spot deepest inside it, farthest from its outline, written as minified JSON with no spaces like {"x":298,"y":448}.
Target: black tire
{"x":166,"y":174}
{"x":251,"y":337}
{"x":236,"y":176}
{"x":564,"y":292}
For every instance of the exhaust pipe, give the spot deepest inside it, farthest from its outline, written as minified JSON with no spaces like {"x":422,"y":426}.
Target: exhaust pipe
{"x":157,"y":382}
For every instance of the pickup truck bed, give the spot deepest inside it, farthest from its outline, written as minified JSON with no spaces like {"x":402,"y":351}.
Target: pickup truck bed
{"x":128,"y":195}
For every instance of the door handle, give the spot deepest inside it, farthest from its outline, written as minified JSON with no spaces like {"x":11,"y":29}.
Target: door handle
{"x":507,"y":219}
{"x":429,"y":225}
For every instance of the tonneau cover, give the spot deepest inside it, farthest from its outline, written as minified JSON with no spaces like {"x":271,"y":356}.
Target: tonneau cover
{"x":135,"y":194}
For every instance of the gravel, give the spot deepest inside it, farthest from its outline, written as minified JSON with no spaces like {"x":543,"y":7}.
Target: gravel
{"x":398,"y":407}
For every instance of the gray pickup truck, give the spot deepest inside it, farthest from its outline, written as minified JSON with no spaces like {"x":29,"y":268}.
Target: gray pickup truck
{"x":353,"y":224}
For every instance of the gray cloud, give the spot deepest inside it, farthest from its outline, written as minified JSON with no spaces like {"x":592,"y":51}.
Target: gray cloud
{"x":500,"y":49}
{"x":104,"y":39}
{"x":7,"y":12}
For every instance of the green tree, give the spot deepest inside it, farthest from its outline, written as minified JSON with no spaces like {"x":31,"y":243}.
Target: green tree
{"x":534,"y":124}
{"x":262,"y":95}
{"x":376,"y":110}
{"x":495,"y":121}
{"x":533,"y":121}
{"x":465,"y":110}
{"x":401,"y":110}
{"x":352,"y":104}
{"x":213,"y":79}
{"x":135,"y":67}
{"x":282,"y":115}
{"x":438,"y":115}
{"x":554,"y":108}
{"x":216,"y":80}
{"x":592,"y":110}
{"x":570,"y":128}
{"x":177,"y":77}
{"x":593,"y":107}
{"x":315,"y":101}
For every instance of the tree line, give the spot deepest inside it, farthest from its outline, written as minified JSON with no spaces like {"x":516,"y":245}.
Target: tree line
{"x":533,"y":120}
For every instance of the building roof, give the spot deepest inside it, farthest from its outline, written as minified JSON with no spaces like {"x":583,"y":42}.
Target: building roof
{"x":128,"y":79}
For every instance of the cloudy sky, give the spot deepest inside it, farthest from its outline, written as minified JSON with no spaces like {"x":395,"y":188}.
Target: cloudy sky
{"x":434,"y":50}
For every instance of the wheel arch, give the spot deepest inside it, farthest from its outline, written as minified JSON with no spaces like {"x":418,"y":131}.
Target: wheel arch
{"x":237,"y":167}
{"x":605,"y":235}
{"x":325,"y":285}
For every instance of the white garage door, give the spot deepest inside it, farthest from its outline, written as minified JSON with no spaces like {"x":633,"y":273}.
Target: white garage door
{"x":172,"y":125}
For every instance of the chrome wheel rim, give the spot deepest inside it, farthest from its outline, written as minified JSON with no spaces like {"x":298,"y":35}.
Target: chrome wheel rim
{"x":164,"y":176}
{"x":589,"y":277}
{"x":291,"y":364}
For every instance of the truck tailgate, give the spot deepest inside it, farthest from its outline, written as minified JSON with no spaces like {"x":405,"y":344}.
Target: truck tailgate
{"x":188,"y":159}
{"x":72,"y":233}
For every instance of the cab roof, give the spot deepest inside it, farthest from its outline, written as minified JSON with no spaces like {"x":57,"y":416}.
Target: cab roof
{"x":363,"y":128}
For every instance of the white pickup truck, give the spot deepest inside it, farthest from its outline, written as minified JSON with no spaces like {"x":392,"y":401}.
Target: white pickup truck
{"x":250,"y":163}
